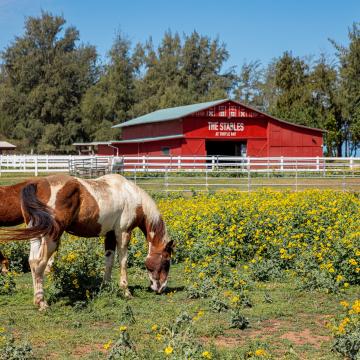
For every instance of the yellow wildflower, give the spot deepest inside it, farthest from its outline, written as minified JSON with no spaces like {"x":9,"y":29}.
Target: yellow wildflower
{"x":206,"y":355}
{"x":356,"y":307}
{"x":107,"y":345}
{"x":353,"y":262}
{"x":260,"y":352}
{"x":168,"y":350}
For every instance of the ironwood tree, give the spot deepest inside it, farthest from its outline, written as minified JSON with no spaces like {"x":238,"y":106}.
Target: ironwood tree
{"x":111,"y":99}
{"x":350,"y":89}
{"x":44,"y":75}
{"x":181,"y":71}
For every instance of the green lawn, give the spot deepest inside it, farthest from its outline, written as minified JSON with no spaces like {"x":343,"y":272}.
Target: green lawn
{"x":292,"y":326}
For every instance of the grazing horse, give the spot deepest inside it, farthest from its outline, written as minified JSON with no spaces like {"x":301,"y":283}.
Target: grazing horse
{"x":10,"y":211}
{"x":110,"y":205}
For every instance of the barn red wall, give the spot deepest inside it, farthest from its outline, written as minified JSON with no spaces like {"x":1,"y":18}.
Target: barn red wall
{"x":288,"y":140}
{"x":106,"y":150}
{"x":153,"y":148}
{"x":152,"y":130}
{"x":193,"y":147}
{"x":257,"y":147}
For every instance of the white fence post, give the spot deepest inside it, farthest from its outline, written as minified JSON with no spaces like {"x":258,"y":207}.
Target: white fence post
{"x":249,"y":174}
{"x":36,"y":165}
{"x":296,"y":177}
{"x":144,"y":163}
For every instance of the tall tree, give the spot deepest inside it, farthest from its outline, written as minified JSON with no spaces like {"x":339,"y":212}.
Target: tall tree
{"x":349,"y":59}
{"x":182,"y":71}
{"x":326,"y":104}
{"x":293,"y":100}
{"x":250,"y":87}
{"x":111,"y":99}
{"x":44,"y":75}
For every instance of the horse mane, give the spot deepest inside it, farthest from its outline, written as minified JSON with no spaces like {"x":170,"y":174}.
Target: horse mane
{"x":153,"y":219}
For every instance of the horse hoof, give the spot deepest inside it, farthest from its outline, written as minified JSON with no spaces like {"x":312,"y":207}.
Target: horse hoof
{"x":128,"y":294}
{"x":43,"y":306}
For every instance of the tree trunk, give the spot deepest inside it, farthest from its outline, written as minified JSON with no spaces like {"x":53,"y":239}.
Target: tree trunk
{"x":339,"y":150}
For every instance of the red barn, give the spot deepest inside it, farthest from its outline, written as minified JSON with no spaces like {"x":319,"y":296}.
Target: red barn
{"x":222,"y":127}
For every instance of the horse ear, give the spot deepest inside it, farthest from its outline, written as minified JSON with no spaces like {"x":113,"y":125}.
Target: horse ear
{"x":170,"y":247}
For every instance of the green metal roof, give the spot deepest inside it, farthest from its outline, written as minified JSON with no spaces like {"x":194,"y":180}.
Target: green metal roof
{"x":170,"y":113}
{"x":147,"y":139}
{"x":182,"y":111}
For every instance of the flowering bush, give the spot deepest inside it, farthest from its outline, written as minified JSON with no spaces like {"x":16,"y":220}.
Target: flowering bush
{"x":178,"y":338}
{"x":312,"y":235}
{"x":77,"y":270}
{"x":347,"y":331}
{"x":18,"y":254}
{"x":13,"y":350}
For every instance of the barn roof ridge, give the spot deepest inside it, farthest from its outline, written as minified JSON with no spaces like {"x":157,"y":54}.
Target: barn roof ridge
{"x":172,"y":113}
{"x":178,"y":112}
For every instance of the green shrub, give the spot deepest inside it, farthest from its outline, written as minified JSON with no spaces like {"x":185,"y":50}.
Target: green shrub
{"x":18,"y":255}
{"x":7,"y":283}
{"x":11,"y":350}
{"x":347,"y":331}
{"x":77,"y":271}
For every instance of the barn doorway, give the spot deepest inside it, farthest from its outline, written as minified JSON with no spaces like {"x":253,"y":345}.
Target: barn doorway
{"x":225,"y":148}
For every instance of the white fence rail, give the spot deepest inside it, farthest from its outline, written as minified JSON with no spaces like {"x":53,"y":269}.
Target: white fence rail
{"x":175,"y":173}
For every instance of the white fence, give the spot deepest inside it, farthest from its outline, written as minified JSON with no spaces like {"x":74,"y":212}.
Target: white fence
{"x":175,"y":173}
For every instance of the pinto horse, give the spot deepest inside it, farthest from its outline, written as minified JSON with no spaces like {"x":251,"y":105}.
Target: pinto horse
{"x":110,"y":206}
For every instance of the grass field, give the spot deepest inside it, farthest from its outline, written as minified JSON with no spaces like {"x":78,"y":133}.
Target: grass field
{"x":198,"y":182}
{"x":292,"y":326}
{"x":225,"y":240}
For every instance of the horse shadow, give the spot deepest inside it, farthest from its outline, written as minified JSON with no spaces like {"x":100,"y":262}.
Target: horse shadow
{"x":170,"y":289}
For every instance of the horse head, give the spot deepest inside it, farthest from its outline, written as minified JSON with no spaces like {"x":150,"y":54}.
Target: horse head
{"x":158,"y":265}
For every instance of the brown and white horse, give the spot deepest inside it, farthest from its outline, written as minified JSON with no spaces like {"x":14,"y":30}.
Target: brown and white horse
{"x":10,"y":211}
{"x":110,"y":206}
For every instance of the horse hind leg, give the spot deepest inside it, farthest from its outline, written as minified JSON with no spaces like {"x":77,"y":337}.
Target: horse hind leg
{"x":123,"y":240}
{"x":49,"y":265}
{"x":40,"y":253}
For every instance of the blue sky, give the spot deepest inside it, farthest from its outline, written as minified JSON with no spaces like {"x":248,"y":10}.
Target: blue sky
{"x":252,"y":29}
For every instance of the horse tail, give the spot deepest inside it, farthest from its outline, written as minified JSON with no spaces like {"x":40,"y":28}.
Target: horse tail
{"x":37,"y":214}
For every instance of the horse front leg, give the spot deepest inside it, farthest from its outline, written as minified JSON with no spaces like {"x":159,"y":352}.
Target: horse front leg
{"x":40,"y":253}
{"x":122,"y":245}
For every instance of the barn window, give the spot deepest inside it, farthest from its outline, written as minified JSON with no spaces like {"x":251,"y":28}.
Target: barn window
{"x":222,"y":110}
{"x":165,"y":150}
{"x":232,"y":110}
